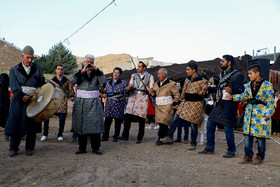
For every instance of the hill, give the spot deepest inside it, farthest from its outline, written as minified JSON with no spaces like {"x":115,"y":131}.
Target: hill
{"x":10,"y":55}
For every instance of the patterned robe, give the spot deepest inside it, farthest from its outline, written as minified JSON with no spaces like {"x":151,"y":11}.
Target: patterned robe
{"x":114,"y":108}
{"x":87,"y":115}
{"x":65,"y":87}
{"x":138,"y":101}
{"x":254,"y":113}
{"x":18,"y":123}
{"x":164,"y":113}
{"x":191,"y":108}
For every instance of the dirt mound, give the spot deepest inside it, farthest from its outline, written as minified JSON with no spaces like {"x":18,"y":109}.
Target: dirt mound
{"x":9,"y":54}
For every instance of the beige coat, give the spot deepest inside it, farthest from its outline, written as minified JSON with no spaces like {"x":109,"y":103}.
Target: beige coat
{"x":190,"y":109}
{"x":163,"y":111}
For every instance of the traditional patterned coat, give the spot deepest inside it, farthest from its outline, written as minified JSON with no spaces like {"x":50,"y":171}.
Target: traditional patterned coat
{"x":138,"y":101}
{"x":191,"y":106}
{"x":255,"y":112}
{"x":166,"y":95}
{"x":66,"y":87}
{"x":87,"y":115}
{"x":18,"y":123}
{"x":115,"y":104}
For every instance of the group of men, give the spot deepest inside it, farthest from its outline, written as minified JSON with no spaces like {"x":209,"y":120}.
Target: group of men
{"x":88,"y":113}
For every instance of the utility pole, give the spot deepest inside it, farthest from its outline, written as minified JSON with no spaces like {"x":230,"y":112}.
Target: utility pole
{"x":274,"y":53}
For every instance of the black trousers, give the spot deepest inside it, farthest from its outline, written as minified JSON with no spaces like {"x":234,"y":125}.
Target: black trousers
{"x":94,"y":141}
{"x":62,"y":118}
{"x":162,"y":131}
{"x":275,"y":125}
{"x":108,"y":122}
{"x":127,"y":124}
{"x":16,"y":139}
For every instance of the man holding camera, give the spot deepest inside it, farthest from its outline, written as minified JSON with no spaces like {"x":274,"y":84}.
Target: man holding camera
{"x":87,"y":116}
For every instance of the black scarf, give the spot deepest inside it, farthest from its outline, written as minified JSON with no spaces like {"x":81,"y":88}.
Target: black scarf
{"x":223,"y":83}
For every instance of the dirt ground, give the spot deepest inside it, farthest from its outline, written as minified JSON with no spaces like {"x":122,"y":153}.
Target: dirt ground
{"x":129,"y":164}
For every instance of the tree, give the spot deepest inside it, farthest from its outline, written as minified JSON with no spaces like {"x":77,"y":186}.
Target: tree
{"x":58,"y":55}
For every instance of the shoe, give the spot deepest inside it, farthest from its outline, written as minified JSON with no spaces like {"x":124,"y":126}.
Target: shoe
{"x":149,"y":126}
{"x":246,"y":160}
{"x":123,"y":138}
{"x":138,"y":141}
{"x":228,"y":155}
{"x":177,"y":140}
{"x":167,"y":140}
{"x":257,"y":160}
{"x":60,"y":138}
{"x":73,"y":139}
{"x":185,"y":141}
{"x":44,"y":138}
{"x":115,"y":140}
{"x":104,"y":139}
{"x":98,"y":152}
{"x":206,"y":151}
{"x":192,"y":147}
{"x":80,"y":152}
{"x":156,"y":127}
{"x":12,"y":153}
{"x":158,"y":142}
{"x":29,"y":152}
{"x":201,"y":143}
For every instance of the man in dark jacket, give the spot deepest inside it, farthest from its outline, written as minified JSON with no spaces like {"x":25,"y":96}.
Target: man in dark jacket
{"x":25,"y":78}
{"x":224,"y":111}
{"x":4,"y":98}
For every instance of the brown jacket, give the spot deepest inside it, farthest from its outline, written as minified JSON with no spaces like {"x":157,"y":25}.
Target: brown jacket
{"x":66,"y":87}
{"x":166,"y":95}
{"x":191,"y":108}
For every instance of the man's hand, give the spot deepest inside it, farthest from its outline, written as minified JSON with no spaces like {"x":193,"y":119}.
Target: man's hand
{"x":25,"y":98}
{"x":266,"y":118}
{"x":151,"y":92}
{"x":175,"y":107}
{"x":201,"y":92}
{"x":129,"y":87}
{"x":228,"y":96}
{"x":228,"y":89}
{"x":204,"y":88}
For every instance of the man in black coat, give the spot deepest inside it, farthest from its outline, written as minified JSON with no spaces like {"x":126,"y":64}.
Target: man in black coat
{"x":25,"y":78}
{"x":224,"y":111}
{"x":4,"y":98}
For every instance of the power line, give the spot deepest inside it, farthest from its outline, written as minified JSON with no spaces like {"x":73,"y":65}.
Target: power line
{"x":67,"y":39}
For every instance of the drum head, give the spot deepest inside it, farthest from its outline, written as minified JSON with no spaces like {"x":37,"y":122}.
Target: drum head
{"x":40,"y":101}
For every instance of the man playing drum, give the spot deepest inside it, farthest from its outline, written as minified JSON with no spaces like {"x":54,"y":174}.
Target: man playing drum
{"x":87,"y":116}
{"x":25,"y":78}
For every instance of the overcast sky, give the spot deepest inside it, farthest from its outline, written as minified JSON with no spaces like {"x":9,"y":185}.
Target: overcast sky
{"x":168,"y":30}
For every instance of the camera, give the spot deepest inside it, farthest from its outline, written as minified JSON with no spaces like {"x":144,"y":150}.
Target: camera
{"x":89,"y":66}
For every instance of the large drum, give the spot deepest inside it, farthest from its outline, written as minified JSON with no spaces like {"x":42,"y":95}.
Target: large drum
{"x":44,"y":103}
